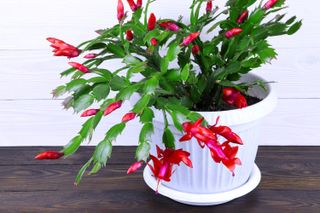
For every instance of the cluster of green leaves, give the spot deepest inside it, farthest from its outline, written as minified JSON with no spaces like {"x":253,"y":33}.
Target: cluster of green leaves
{"x":176,"y":82}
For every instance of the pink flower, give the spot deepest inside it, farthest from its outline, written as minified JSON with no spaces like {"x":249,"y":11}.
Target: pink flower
{"x":49,"y":155}
{"x":234,"y":97}
{"x":132,"y":5}
{"x":128,"y":117}
{"x":134,"y":167}
{"x":165,"y":160}
{"x":79,"y":67}
{"x":243,"y":16}
{"x":129,"y":35}
{"x":195,"y":49}
{"x":90,"y":56}
{"x":61,"y":48}
{"x":154,"y":42}
{"x":90,"y":112}
{"x":233,"y":32}
{"x":209,"y":6}
{"x":120,"y":10}
{"x":152,"y":22}
{"x":169,"y":26}
{"x":270,"y":4}
{"x":190,"y":38}
{"x":112,"y":107}
{"x":139,"y":3}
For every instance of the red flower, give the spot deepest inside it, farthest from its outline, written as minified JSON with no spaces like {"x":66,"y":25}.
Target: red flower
{"x":120,"y":10}
{"x":79,"y":67}
{"x":195,"y":49}
{"x":132,"y":5}
{"x":226,"y":132}
{"x":128,"y":117}
{"x":169,"y":26}
{"x":129,"y":35}
{"x":112,"y":107}
{"x":234,"y":97}
{"x":270,"y":4}
{"x":233,"y":32}
{"x":243,"y":16}
{"x":154,"y":42}
{"x":209,"y":6}
{"x":134,"y":167}
{"x":90,"y":112}
{"x":139,"y":3}
{"x":163,"y":163}
{"x":190,"y":38}
{"x":152,"y":22}
{"x":90,"y":56}
{"x":49,"y":155}
{"x":61,"y":48}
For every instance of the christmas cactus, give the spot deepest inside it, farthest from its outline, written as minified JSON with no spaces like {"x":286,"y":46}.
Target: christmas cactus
{"x":182,"y":68}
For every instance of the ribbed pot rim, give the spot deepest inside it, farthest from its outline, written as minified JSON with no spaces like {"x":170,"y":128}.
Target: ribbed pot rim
{"x":235,"y":116}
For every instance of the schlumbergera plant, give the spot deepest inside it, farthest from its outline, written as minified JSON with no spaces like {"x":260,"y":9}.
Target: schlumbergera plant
{"x":179,"y":74}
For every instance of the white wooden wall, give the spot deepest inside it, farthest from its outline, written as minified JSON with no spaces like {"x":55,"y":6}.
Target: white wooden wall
{"x":28,"y":115}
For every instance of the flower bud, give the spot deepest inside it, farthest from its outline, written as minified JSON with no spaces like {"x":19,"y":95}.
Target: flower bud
{"x":243,"y":16}
{"x":49,"y":155}
{"x":79,"y":67}
{"x":129,"y":35}
{"x":170,"y":26}
{"x":270,"y":4}
{"x":90,"y":112}
{"x":190,"y":38}
{"x":132,"y":5}
{"x":128,"y":117}
{"x":154,"y":42}
{"x":112,"y":107}
{"x":195,"y":49}
{"x":152,"y":22}
{"x":90,"y":56}
{"x":209,"y":6}
{"x":120,"y":10}
{"x":233,"y":32}
{"x":134,"y":167}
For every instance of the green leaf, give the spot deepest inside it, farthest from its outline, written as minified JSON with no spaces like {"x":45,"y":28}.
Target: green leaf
{"x":116,"y":49}
{"x":115,"y":131}
{"x":59,"y":91}
{"x":294,"y":28}
{"x":151,"y":85}
{"x":131,"y":60}
{"x":168,"y":138}
{"x":147,"y":115}
{"x":185,"y":72}
{"x":176,"y":121}
{"x":82,"y":171}
{"x":72,"y":146}
{"x":101,"y":91}
{"x":102,"y":152}
{"x":141,"y":104}
{"x":143,"y":151}
{"x":164,"y":64}
{"x":146,"y":132}
{"x":76,"y":84}
{"x":127,"y":92}
{"x":83,"y":102}
{"x":173,"y":51}
{"x":117,"y":83}
{"x":291,"y":20}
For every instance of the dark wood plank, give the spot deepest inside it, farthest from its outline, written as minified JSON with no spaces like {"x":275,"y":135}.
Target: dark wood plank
{"x":290,"y":183}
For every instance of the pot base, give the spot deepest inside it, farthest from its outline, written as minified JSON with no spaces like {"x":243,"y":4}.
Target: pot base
{"x":204,"y":199}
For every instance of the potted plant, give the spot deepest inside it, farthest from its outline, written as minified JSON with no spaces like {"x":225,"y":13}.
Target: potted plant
{"x":198,"y":105}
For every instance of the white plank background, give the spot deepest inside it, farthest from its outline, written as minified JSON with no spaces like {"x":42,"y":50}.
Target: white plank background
{"x":28,"y":115}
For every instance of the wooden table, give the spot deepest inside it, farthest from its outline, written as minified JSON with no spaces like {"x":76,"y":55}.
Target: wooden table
{"x":290,"y":183}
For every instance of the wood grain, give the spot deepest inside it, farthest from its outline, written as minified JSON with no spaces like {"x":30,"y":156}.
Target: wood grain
{"x":290,"y":183}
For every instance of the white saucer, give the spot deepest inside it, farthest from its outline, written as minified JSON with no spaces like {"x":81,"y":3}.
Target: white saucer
{"x":204,"y":199}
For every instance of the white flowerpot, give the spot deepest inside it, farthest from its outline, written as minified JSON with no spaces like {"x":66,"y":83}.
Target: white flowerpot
{"x":206,"y":176}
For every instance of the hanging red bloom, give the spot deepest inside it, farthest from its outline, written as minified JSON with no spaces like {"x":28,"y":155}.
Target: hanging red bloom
{"x":90,"y":56}
{"x":120,"y":10}
{"x":209,"y":6}
{"x":132,"y":5}
{"x":49,"y":155}
{"x":226,"y":132}
{"x":234,"y":97}
{"x":233,"y":32}
{"x":90,"y":112}
{"x":139,"y":3}
{"x":61,"y":48}
{"x":112,"y":107}
{"x":152,"y":22}
{"x":243,"y":16}
{"x":134,"y":167}
{"x":129,"y":35}
{"x":190,"y":38}
{"x":269,"y":4}
{"x":128,"y":117}
{"x":154,"y":42}
{"x":170,"y":26}
{"x":163,"y":163}
{"x":195,"y":49}
{"x":79,"y":67}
